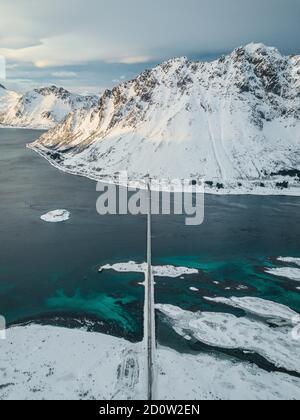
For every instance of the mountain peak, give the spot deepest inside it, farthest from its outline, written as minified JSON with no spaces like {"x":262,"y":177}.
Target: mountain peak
{"x":58,"y":91}
{"x":255,"y":47}
{"x":258,"y":49}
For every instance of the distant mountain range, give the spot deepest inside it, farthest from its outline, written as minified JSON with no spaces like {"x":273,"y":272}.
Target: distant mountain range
{"x":40,"y":108}
{"x":234,"y":122}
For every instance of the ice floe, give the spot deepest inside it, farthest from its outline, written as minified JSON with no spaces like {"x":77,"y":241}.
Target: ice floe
{"x":56,"y":216}
{"x":260,"y":307}
{"x":63,"y":364}
{"x":227,"y":331}
{"x":286,"y":272}
{"x":289,"y":260}
{"x":158,"y":271}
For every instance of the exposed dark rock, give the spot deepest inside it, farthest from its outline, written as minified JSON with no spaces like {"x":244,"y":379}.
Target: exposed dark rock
{"x":293,"y":173}
{"x":209,"y":183}
{"x":282,"y":185}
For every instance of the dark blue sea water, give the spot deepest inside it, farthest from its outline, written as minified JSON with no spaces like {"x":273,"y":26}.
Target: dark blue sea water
{"x":48,"y":272}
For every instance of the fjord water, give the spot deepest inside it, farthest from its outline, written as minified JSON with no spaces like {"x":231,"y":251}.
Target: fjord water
{"x":49,"y":272}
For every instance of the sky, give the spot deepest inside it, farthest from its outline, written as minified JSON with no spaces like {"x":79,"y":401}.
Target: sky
{"x":90,"y":45}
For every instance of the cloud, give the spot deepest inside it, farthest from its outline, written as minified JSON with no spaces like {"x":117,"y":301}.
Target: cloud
{"x":12,"y":66}
{"x":64,"y":74}
{"x":137,"y":59}
{"x":89,"y":45}
{"x":2,"y":68}
{"x":60,"y":33}
{"x":57,"y":51}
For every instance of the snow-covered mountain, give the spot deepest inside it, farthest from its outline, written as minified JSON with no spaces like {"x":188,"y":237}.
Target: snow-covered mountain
{"x":234,"y":121}
{"x":40,"y":108}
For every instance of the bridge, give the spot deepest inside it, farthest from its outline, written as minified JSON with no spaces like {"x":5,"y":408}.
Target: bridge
{"x":149,"y":308}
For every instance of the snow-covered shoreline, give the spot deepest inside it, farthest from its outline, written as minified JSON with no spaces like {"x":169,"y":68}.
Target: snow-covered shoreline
{"x":259,"y":191}
{"x":16,"y":127}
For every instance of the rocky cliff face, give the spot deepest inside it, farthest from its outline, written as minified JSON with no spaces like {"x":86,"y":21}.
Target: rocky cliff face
{"x":234,"y":121}
{"x":41,"y":108}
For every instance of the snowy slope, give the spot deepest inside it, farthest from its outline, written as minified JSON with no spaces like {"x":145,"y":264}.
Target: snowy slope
{"x":234,"y":121}
{"x":41,"y":108}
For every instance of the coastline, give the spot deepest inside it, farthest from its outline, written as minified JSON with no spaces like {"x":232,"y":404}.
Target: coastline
{"x":39,"y":128}
{"x":256,"y":191}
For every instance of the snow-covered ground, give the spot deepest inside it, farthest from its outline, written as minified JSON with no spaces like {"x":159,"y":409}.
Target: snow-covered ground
{"x":158,"y":271}
{"x":208,"y":377}
{"x":56,"y":216}
{"x":39,"y":362}
{"x":234,"y":122}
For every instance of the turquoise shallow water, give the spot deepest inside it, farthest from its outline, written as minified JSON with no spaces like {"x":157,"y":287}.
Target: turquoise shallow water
{"x":48,"y":270}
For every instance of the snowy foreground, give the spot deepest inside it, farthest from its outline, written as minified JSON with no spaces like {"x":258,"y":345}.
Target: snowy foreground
{"x":56,"y":216}
{"x":43,"y":362}
{"x":40,"y":362}
{"x":158,"y":271}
